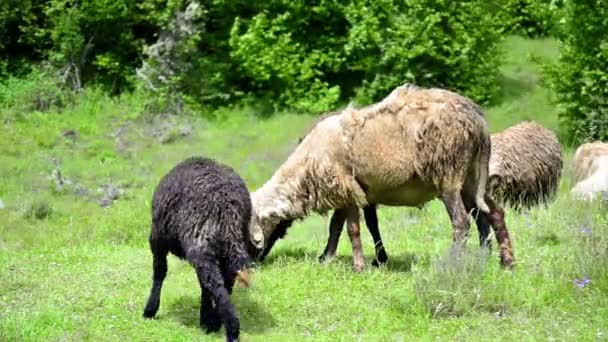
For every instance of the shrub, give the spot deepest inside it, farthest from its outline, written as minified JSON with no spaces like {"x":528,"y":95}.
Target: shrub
{"x":531,"y":18}
{"x":21,"y":41}
{"x":300,"y":54}
{"x":580,"y":77}
{"x":309,"y":56}
{"x":37,"y":91}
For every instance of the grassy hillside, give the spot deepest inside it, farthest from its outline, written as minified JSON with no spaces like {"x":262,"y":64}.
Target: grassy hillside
{"x":74,"y":263}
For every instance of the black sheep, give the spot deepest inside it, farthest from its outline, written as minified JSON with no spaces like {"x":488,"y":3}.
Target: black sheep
{"x":201,"y":212}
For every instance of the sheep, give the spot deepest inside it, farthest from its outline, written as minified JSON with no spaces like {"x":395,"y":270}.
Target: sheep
{"x":436,"y":145}
{"x":525,"y":165}
{"x":589,"y":170}
{"x":339,"y":217}
{"x":525,"y":168}
{"x":201,"y":212}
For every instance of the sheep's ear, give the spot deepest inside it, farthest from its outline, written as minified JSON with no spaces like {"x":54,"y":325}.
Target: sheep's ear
{"x":256,"y":234}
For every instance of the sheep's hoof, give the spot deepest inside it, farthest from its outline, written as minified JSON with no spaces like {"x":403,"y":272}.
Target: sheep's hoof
{"x":150,"y":310}
{"x":148,"y":314}
{"x":378,"y":263}
{"x":324,"y":258}
{"x":211,"y":323}
{"x":358,"y":267}
{"x":506,"y":263}
{"x":381,"y":259}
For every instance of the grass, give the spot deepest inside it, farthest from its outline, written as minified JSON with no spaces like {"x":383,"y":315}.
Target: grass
{"x":74,"y":261}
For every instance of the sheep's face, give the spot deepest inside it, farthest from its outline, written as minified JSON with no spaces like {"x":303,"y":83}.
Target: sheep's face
{"x":273,"y":228}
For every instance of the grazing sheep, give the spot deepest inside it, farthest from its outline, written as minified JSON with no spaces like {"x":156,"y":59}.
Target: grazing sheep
{"x":525,"y":165}
{"x":590,"y":170}
{"x":201,"y":212}
{"x":415,"y":145}
{"x":339,"y":217}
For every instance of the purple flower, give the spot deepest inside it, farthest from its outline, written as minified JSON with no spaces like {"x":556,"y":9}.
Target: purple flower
{"x":604,"y":196}
{"x":581,"y":283}
{"x":585,"y":230}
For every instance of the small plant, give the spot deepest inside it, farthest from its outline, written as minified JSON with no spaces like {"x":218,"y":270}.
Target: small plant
{"x":454,"y":285}
{"x":39,"y":209}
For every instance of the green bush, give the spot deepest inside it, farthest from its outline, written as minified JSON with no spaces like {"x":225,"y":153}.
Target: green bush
{"x":580,"y":77}
{"x":309,"y":56}
{"x":298,"y":54}
{"x":531,"y":18}
{"x":21,"y":41}
{"x":37,"y":91}
{"x":94,"y":41}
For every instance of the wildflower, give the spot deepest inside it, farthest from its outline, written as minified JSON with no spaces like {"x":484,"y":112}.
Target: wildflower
{"x":585,"y":230}
{"x":581,"y":283}
{"x":604,"y":196}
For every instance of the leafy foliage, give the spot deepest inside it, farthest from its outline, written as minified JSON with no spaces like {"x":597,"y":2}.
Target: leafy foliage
{"x":303,"y":55}
{"x":580,"y":78}
{"x":532,"y":18}
{"x":21,"y":41}
{"x":309,"y":56}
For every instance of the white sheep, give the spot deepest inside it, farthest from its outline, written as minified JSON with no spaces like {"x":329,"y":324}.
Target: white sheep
{"x":415,"y":145}
{"x":590,"y":171}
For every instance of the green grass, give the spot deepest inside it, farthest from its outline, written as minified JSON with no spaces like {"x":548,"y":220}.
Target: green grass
{"x":73,"y":270}
{"x":522,"y":97}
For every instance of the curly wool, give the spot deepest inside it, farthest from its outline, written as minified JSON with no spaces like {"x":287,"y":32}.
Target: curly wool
{"x":525,"y":165}
{"x":201,"y":211}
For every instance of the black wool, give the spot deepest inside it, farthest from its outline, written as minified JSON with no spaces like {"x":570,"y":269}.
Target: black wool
{"x":201,"y":211}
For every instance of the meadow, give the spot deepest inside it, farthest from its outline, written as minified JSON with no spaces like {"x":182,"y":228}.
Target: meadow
{"x":75,"y":191}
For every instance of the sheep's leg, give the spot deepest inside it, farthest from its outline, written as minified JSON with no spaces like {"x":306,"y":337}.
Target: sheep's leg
{"x":211,"y":280}
{"x":354,"y":232}
{"x":209,"y":318}
{"x":371,"y":221}
{"x":160,"y":272}
{"x":497,"y":220}
{"x":335,"y":229}
{"x":482,"y":222}
{"x":483,"y":227}
{"x":458,"y":215}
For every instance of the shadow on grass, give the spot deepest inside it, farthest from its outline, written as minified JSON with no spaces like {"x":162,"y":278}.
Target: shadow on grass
{"x":396,"y":263}
{"x":288,"y":255}
{"x":252,"y":316}
{"x":404,"y":262}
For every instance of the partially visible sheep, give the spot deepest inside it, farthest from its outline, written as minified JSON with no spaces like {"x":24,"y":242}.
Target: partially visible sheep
{"x":201,"y":212}
{"x":525,"y":165}
{"x":583,"y":162}
{"x":590,"y":170}
{"x":415,"y":145}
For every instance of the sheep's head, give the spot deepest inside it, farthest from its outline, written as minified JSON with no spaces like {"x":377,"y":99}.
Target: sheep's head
{"x":270,"y":222}
{"x":278,"y":233}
